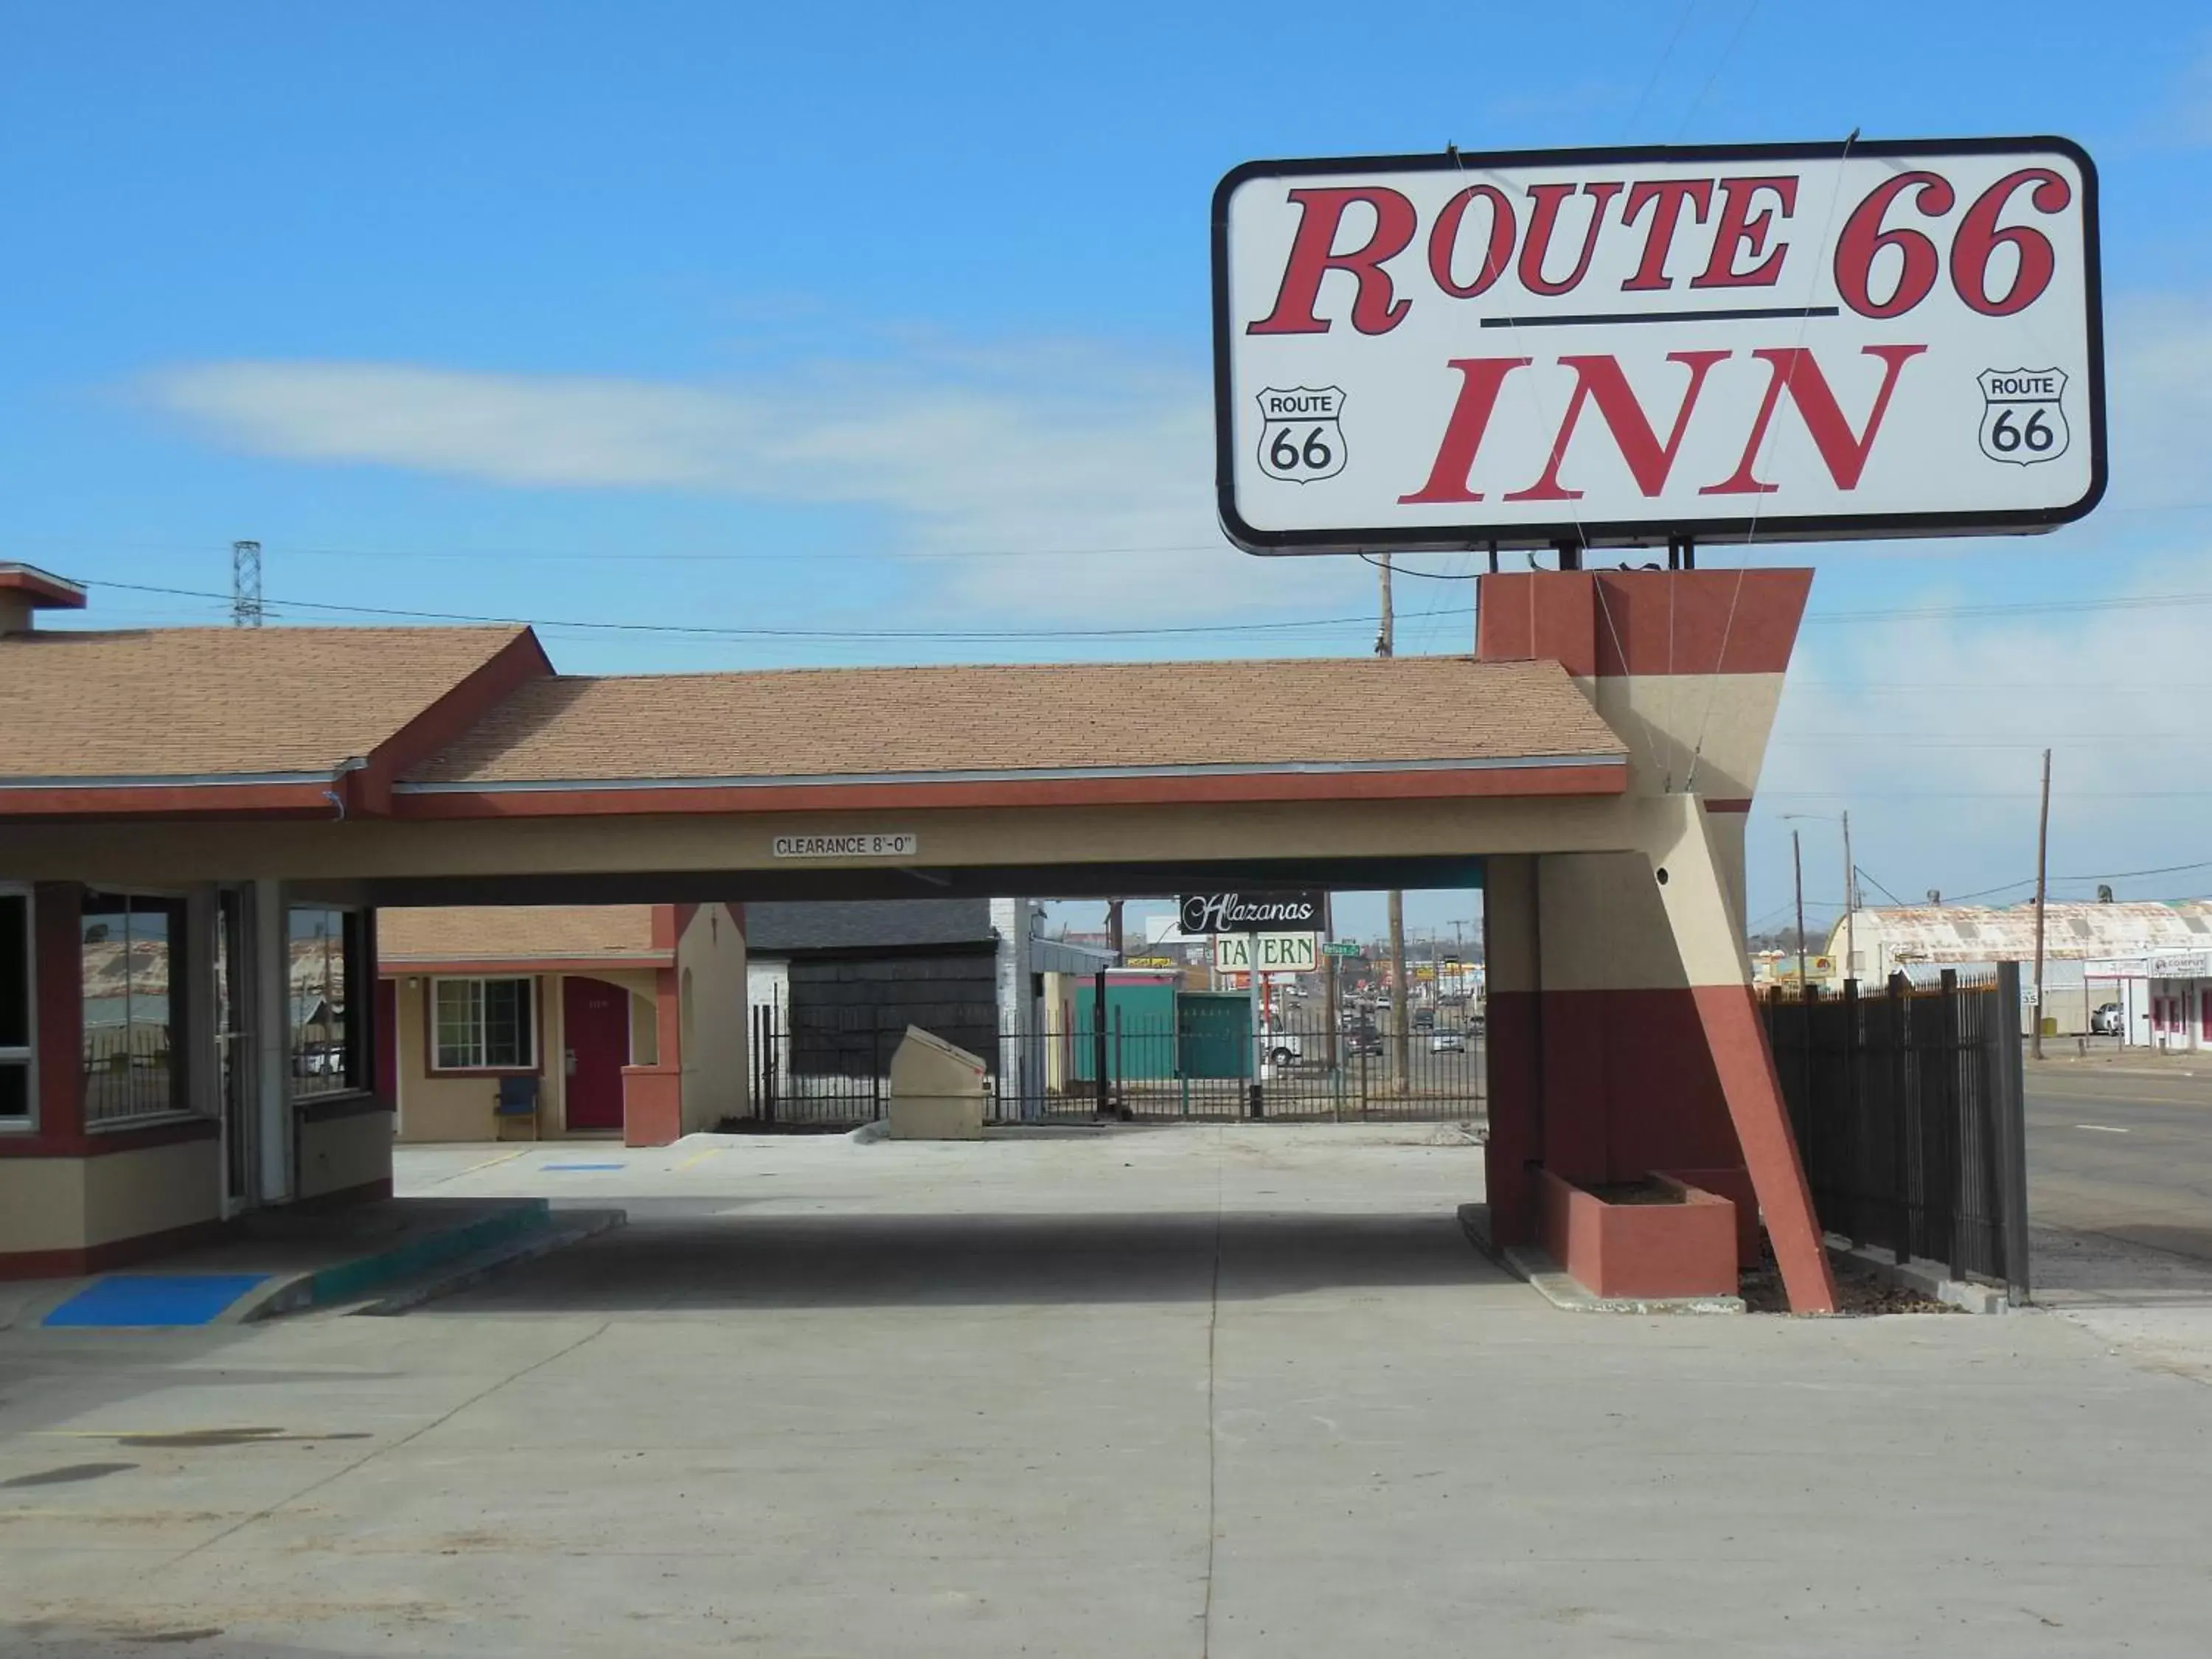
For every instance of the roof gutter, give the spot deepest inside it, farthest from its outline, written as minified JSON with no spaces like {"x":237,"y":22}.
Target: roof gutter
{"x":1017,"y":775}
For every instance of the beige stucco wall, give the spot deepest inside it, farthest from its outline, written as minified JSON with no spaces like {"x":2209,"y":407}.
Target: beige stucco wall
{"x":710,"y":973}
{"x":333,"y":853}
{"x":338,"y":1153}
{"x":445,"y":1108}
{"x":70,"y":1203}
{"x":437,"y":1108}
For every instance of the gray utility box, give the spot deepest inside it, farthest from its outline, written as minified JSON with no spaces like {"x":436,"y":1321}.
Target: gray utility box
{"x":937,"y":1090}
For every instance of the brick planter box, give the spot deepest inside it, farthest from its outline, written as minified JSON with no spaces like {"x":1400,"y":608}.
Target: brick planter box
{"x":1685,"y":1244}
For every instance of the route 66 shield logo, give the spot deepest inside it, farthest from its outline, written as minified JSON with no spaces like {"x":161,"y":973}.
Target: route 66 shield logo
{"x":2023,"y":418}
{"x":1301,"y":438}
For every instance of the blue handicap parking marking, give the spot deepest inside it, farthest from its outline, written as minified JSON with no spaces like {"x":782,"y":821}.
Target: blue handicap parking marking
{"x":150,"y":1299}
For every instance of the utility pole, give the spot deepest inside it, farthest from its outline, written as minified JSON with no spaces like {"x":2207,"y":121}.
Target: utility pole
{"x":246,"y":584}
{"x":2042,"y":869}
{"x":1851,"y":905}
{"x":1114,"y":930}
{"x":1400,"y":1051}
{"x":1798,"y":867}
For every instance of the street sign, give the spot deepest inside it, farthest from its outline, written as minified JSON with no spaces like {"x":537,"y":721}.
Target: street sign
{"x":1770,"y":343}
{"x":1272,"y":953}
{"x":1245,"y":913}
{"x":1340,"y":947}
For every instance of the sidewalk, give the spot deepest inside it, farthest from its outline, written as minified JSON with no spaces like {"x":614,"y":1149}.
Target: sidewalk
{"x":279,"y":1262}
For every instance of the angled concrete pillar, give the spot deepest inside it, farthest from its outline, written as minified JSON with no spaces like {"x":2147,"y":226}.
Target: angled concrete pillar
{"x":1692,"y":880}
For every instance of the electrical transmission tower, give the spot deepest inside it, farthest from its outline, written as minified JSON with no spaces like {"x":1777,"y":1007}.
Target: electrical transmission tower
{"x":246,"y":584}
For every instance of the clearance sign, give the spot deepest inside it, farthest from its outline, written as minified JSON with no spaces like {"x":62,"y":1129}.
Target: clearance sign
{"x":1616,"y":347}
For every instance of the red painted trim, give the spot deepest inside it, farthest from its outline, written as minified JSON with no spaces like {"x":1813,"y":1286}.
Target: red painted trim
{"x":665,"y":932}
{"x":1607,"y":623}
{"x":57,"y":926}
{"x":446,"y":720}
{"x":1738,"y":1038}
{"x":103,"y":1141}
{"x":179,"y":800}
{"x":44,"y":592}
{"x":1730,"y":806}
{"x":509,"y":967}
{"x":1508,"y":782}
{"x":116,"y":1252}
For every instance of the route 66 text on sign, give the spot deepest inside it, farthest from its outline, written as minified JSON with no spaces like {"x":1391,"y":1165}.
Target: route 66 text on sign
{"x":1302,"y":435}
{"x":1616,"y":347}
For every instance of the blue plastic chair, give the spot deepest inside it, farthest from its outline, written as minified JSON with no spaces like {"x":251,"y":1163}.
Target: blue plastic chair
{"x":517,"y":1101}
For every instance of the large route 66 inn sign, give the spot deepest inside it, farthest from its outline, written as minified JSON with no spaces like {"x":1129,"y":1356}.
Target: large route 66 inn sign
{"x":1770,"y":343}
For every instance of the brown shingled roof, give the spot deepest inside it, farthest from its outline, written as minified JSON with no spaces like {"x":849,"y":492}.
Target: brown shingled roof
{"x":202,"y":702}
{"x":893,"y":721}
{"x":519,"y":933}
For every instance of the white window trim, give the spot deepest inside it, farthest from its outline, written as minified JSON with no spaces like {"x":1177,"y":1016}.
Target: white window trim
{"x":528,"y":1067}
{"x":28,"y":1054}
{"x":365,"y":1084}
{"x":167,"y":1115}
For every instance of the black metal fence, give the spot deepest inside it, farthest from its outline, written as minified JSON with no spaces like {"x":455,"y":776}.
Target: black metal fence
{"x":1908,"y":1109}
{"x":1305,"y":1069}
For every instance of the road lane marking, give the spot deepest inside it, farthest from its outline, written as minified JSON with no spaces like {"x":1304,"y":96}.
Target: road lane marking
{"x":2101,"y":1129}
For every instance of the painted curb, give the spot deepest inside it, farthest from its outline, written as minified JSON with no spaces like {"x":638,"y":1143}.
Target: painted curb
{"x":574,"y":1227}
{"x":347,"y":1281}
{"x":1556,"y":1285}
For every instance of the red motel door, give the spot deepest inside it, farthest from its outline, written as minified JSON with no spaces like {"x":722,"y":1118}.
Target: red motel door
{"x":595,"y":1036}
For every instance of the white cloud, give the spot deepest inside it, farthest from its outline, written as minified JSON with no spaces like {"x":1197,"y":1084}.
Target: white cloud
{"x":1059,"y":449}
{"x":2158,"y":365}
{"x":1930,"y":731}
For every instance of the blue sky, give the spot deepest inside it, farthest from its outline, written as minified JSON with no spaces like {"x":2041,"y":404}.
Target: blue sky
{"x":488,"y":308}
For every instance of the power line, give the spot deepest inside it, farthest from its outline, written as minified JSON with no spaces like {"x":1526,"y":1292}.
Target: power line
{"x":702,"y":631}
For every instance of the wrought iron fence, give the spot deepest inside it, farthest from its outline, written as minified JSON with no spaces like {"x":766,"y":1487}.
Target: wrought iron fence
{"x":130,"y":1072}
{"x":1908,"y":1109}
{"x":806,"y":1073}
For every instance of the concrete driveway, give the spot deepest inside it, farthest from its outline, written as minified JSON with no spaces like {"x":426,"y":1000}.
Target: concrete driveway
{"x":1240,"y":1391}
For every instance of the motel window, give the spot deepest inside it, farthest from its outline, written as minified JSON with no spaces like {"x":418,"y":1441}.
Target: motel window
{"x":15,"y":1011}
{"x":323,"y":946}
{"x":133,"y":957}
{"x":484,"y":1025}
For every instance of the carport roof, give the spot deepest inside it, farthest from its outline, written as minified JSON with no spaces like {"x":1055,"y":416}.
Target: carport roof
{"x":522,"y":935}
{"x":1070,"y":719}
{"x":255,"y":704}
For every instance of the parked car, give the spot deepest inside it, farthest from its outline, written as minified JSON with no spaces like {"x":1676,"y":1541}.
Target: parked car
{"x":1448,"y":1042}
{"x":2105,"y":1021}
{"x":1363,"y":1040}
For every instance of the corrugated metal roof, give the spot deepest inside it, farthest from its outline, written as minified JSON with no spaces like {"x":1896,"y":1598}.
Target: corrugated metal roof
{"x":1973,"y":932}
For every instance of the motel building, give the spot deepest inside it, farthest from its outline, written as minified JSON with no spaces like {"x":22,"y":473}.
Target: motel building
{"x":214,"y":998}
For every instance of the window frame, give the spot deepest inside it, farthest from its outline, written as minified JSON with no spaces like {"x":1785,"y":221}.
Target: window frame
{"x":535,"y":1001}
{"x":28,"y":1055}
{"x":353,"y":954}
{"x":185,"y":1104}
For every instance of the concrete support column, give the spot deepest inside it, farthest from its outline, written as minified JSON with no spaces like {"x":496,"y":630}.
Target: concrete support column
{"x":270,"y":975}
{"x":1708,"y":931}
{"x":1015,"y":1058}
{"x":1513,"y":1033}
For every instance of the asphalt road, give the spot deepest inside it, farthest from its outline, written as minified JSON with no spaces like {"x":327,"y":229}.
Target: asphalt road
{"x":2120,"y":1177}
